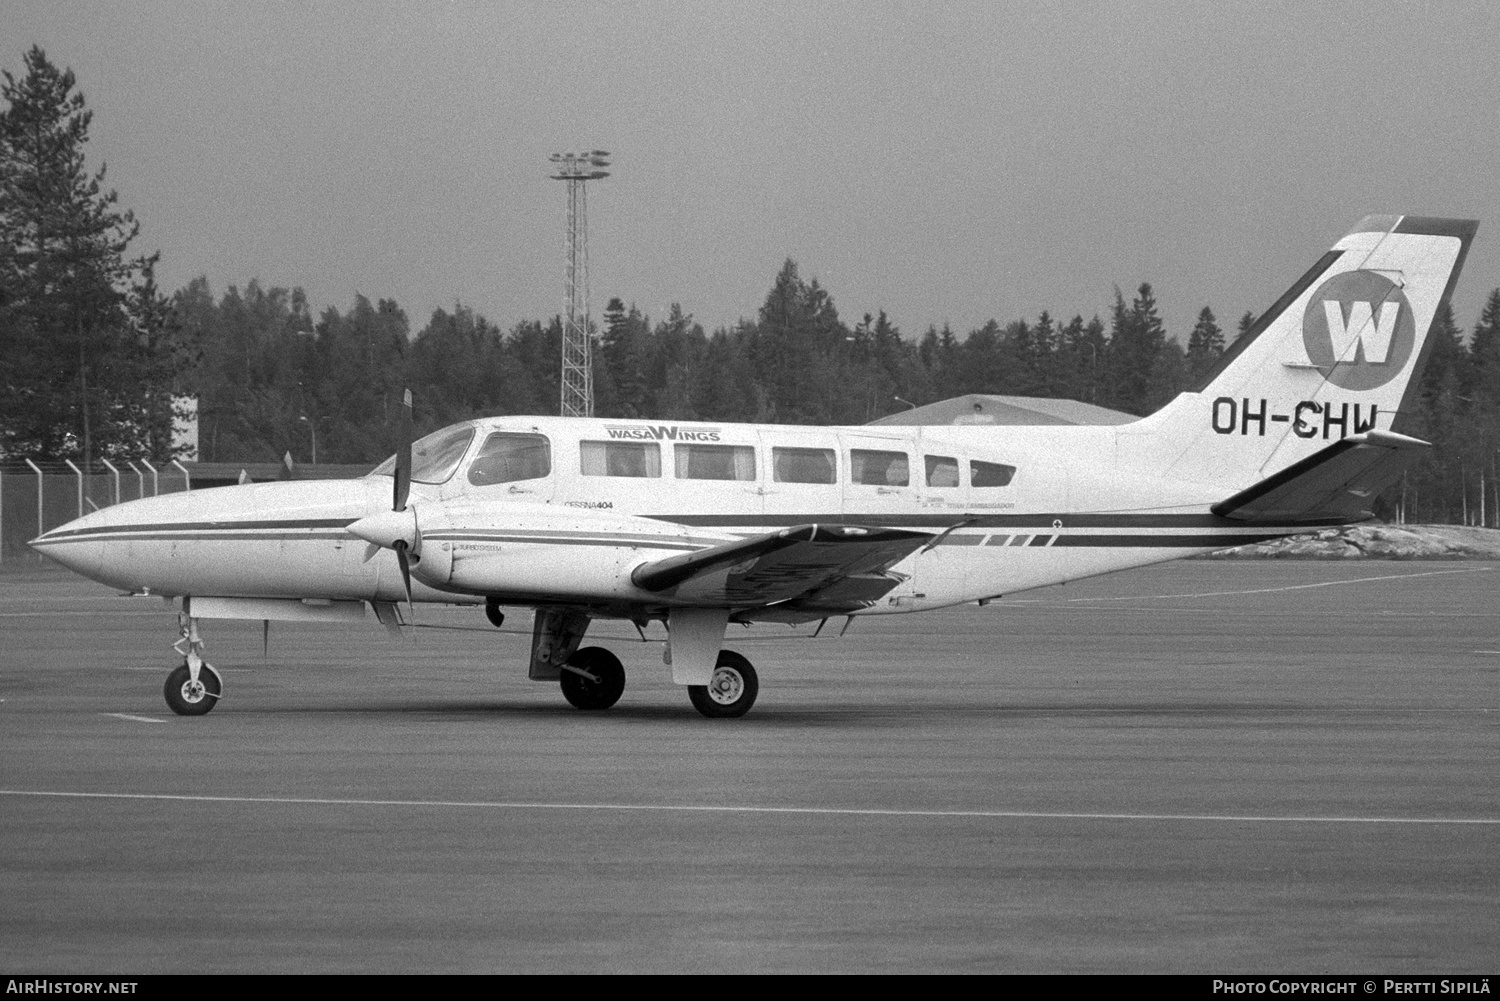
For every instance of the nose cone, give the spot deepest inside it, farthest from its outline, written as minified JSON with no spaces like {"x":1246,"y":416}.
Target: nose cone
{"x":211,"y":541}
{"x":78,"y":545}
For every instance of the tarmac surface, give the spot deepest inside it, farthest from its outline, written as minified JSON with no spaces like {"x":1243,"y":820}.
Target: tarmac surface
{"x":1209,"y":767}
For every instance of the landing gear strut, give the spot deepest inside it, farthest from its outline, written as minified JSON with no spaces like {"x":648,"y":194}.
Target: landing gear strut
{"x":730,"y":691}
{"x":194,"y":687}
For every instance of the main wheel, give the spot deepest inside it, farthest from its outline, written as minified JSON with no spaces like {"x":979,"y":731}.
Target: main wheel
{"x":186,"y":697}
{"x":592,"y":695}
{"x":730,"y":692}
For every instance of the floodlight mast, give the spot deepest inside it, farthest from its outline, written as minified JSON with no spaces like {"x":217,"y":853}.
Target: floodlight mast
{"x":577,"y":354}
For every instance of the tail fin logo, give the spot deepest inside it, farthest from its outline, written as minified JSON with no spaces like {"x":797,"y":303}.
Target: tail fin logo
{"x":1359,"y":329}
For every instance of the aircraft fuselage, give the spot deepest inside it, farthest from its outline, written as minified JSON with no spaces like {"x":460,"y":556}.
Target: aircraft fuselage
{"x":1009,"y":508}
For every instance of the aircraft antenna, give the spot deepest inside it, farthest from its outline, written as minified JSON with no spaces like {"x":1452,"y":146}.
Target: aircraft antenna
{"x":577,"y":357}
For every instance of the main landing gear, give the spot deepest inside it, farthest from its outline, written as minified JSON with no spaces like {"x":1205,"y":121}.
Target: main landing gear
{"x":730,"y":691}
{"x":593,"y":679}
{"x":194,"y":687}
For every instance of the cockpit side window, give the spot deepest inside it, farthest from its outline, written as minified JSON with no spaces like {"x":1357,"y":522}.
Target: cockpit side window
{"x":435,"y":457}
{"x":990,"y":474}
{"x":507,"y":457}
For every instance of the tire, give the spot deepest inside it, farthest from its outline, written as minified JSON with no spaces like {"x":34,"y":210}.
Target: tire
{"x":592,"y":696}
{"x":730,"y":692}
{"x":186,"y":701}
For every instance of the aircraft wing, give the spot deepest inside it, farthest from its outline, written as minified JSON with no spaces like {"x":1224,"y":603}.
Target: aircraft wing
{"x":1335,"y":484}
{"x":848,"y":560}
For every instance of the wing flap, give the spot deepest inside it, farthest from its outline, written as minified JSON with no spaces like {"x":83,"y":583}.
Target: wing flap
{"x":1338,"y":483}
{"x":779,"y":566}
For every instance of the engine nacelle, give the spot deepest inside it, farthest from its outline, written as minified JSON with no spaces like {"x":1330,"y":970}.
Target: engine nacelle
{"x":544,"y":550}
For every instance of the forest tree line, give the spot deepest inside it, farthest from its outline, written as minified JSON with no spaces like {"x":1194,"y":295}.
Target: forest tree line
{"x":94,"y":353}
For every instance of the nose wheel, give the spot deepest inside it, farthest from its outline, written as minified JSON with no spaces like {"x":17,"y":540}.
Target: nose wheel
{"x":194,"y":687}
{"x":730,"y":691}
{"x":190,"y":696}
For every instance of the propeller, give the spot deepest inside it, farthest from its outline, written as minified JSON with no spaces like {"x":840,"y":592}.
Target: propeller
{"x":403,"y":454}
{"x":396,"y":529}
{"x":402,"y":490}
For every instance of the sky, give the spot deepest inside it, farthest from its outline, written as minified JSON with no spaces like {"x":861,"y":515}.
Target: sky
{"x":947,"y":163}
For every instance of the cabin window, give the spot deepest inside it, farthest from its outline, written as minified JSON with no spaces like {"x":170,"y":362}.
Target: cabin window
{"x":715,"y":462}
{"x":621,"y":458}
{"x":804,"y":465}
{"x":990,"y":474}
{"x":942,"y":470}
{"x":879,"y":469}
{"x":505,"y":458}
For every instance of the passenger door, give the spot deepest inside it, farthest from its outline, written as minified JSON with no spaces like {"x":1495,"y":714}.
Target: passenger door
{"x":881,"y":477}
{"x":800,"y":478}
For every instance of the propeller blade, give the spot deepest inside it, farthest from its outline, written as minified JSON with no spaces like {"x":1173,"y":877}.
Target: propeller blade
{"x":405,"y":560}
{"x":403,"y":455}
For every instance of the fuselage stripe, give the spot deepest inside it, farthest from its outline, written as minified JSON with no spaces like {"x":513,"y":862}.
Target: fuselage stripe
{"x":199,"y":526}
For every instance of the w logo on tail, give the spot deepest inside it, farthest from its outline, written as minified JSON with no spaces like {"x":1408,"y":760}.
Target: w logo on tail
{"x":1374,"y":337}
{"x":1358,"y":329}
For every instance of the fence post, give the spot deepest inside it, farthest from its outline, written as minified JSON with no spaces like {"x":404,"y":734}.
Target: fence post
{"x":2,"y":515}
{"x":187,"y":478}
{"x":155,"y":481}
{"x":37,"y":469}
{"x":111,"y":467}
{"x":140,"y":478}
{"x":80,"y":485}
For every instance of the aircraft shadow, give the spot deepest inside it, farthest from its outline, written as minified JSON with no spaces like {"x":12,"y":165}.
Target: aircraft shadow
{"x":904,"y":716}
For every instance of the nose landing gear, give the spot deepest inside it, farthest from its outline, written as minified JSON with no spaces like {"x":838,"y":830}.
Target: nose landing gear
{"x":193,"y":687}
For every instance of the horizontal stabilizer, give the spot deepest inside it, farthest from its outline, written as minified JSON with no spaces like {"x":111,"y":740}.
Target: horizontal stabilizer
{"x":779,"y":566}
{"x":1338,"y":483}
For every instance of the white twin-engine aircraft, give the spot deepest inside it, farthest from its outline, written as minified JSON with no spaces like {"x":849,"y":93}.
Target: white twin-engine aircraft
{"x":700,"y":525}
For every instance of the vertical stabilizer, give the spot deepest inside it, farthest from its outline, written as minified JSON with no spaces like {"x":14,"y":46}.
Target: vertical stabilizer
{"x":1341,"y":352}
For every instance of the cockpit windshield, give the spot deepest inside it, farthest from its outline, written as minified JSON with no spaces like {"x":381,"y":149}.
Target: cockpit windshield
{"x":434,"y":457}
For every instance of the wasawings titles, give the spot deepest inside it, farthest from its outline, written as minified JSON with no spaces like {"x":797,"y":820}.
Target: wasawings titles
{"x":657,"y":432}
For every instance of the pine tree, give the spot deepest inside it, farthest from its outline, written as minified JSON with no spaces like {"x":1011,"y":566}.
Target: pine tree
{"x":1483,"y":378}
{"x":74,"y":352}
{"x":794,"y":347}
{"x":166,"y":350}
{"x":1246,"y":322}
{"x":622,"y":385}
{"x":1205,"y":345}
{"x":1137,"y":339}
